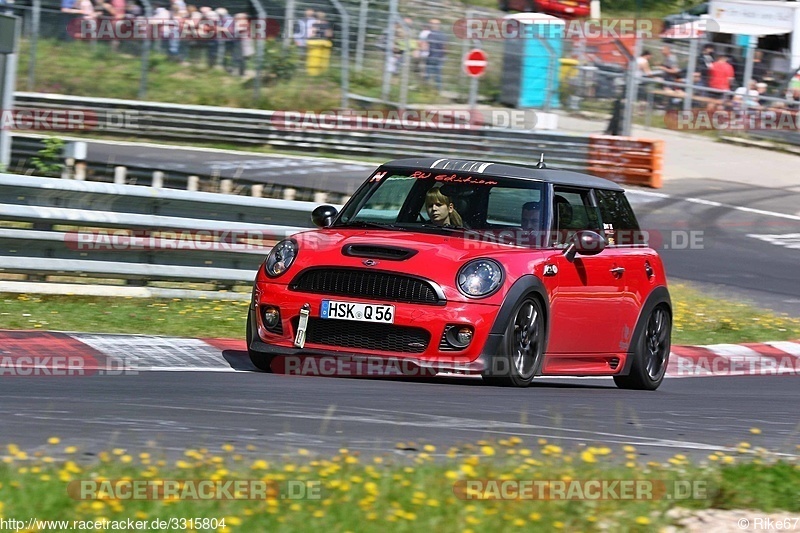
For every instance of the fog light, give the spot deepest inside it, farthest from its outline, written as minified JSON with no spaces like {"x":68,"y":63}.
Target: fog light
{"x":271,"y":317}
{"x":457,"y":337}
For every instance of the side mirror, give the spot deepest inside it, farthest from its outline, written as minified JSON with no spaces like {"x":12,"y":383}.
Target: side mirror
{"x":323,"y":216}
{"x":585,"y":242}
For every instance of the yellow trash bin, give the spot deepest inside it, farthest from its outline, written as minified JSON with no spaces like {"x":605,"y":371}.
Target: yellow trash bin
{"x":569,"y":68}
{"x":318,"y":56}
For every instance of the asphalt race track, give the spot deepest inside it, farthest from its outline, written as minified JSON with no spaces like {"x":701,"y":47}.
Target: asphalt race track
{"x":171,"y":411}
{"x":733,"y":240}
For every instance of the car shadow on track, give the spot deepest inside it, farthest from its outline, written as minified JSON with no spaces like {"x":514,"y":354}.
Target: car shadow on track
{"x":240,"y":361}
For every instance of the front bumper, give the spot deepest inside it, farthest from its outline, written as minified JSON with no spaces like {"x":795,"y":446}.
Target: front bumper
{"x":432,"y":319}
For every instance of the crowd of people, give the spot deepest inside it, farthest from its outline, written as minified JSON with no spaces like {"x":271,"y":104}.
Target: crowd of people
{"x":423,"y":45}
{"x":716,"y":77}
{"x":175,"y":23}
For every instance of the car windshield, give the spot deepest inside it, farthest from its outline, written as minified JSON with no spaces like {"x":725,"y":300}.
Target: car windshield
{"x":446,"y":201}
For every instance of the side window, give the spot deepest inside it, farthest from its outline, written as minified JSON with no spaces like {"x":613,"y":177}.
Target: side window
{"x":620,"y":226}
{"x":573,"y":211}
{"x":505,"y":205}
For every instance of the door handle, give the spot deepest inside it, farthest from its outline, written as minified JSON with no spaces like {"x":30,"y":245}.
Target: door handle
{"x":617,"y":271}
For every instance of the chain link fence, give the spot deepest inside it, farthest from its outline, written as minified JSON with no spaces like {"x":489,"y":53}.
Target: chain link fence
{"x":381,"y":52}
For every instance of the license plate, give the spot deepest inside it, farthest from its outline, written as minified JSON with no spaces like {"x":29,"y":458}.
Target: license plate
{"x":358,"y":312}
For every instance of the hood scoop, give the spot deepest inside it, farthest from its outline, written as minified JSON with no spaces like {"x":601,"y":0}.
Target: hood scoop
{"x":378,"y":251}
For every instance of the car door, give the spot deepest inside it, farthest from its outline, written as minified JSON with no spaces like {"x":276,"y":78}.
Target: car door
{"x":625,"y":242}
{"x":586,"y":293}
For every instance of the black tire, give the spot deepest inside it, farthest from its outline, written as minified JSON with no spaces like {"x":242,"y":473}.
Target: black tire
{"x":651,"y":354}
{"x":261,"y":360}
{"x":523,"y":347}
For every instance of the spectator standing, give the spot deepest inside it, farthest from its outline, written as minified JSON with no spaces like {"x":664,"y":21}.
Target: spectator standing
{"x":421,"y":53}
{"x":669,"y":64}
{"x":706,"y":59}
{"x":643,"y":64}
{"x":305,"y":29}
{"x":70,"y":11}
{"x":324,"y":29}
{"x":720,"y":74}
{"x":437,"y":43}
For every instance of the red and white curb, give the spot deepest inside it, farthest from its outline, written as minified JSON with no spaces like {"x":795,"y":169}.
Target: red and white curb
{"x":57,"y":353}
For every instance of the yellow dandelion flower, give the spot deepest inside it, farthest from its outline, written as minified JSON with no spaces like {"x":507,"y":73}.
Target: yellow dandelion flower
{"x":534,"y":517}
{"x":233,"y":521}
{"x":70,"y":449}
{"x":487,"y":450}
{"x":755,"y":431}
{"x":588,"y":457}
{"x":519,"y":522}
{"x":451,"y":474}
{"x":430,"y":448}
{"x":53,"y":440}
{"x":228,"y":448}
{"x":642,"y":520}
{"x":302,"y":451}
{"x":558,"y":525}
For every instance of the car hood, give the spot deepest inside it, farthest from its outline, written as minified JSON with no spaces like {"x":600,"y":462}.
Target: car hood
{"x":408,"y":251}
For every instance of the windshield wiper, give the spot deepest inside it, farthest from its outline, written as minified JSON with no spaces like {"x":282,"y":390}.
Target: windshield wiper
{"x":428,"y":225}
{"x":365,"y":224}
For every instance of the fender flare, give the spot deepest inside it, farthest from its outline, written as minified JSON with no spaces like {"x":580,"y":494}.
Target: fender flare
{"x":525,"y":285}
{"x":659,"y":295}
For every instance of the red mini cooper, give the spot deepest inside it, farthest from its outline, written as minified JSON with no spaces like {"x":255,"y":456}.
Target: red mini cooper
{"x":470,"y":267}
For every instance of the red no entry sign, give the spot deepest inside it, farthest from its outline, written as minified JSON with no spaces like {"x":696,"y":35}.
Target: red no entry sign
{"x":475,"y":62}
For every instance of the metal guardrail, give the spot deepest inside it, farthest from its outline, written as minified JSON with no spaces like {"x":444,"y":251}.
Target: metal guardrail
{"x":52,"y":228}
{"x":191,"y":123}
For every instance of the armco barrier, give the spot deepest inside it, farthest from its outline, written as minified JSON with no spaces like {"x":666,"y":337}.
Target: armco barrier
{"x":190,"y":124}
{"x":626,"y":160}
{"x":201,"y":237}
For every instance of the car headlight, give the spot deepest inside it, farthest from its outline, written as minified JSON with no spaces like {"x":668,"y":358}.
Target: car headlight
{"x":281,"y":257}
{"x":480,"y":278}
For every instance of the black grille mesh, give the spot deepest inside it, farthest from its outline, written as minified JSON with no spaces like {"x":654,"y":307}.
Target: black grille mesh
{"x":365,"y":284}
{"x":365,"y":335}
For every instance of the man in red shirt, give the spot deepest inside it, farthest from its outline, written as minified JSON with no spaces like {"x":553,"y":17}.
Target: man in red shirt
{"x":720,"y":74}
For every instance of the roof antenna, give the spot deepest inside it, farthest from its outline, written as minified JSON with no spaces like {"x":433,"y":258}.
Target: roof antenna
{"x":541,"y":164}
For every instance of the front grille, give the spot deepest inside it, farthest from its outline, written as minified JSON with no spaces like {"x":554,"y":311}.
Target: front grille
{"x":368,"y":284}
{"x":365,"y":335}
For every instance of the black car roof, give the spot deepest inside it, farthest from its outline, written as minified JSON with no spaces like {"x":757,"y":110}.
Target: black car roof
{"x":506,"y":170}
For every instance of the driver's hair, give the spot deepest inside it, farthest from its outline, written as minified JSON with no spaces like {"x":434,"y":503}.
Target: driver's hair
{"x":435,"y":195}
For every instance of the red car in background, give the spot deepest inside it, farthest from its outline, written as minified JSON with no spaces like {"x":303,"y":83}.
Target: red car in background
{"x":473,"y":267}
{"x":566,"y":9}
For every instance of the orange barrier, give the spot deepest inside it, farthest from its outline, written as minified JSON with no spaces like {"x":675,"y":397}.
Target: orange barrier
{"x":627,"y":160}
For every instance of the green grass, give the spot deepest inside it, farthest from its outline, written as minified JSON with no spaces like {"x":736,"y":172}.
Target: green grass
{"x":698,"y":319}
{"x":403,"y":493}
